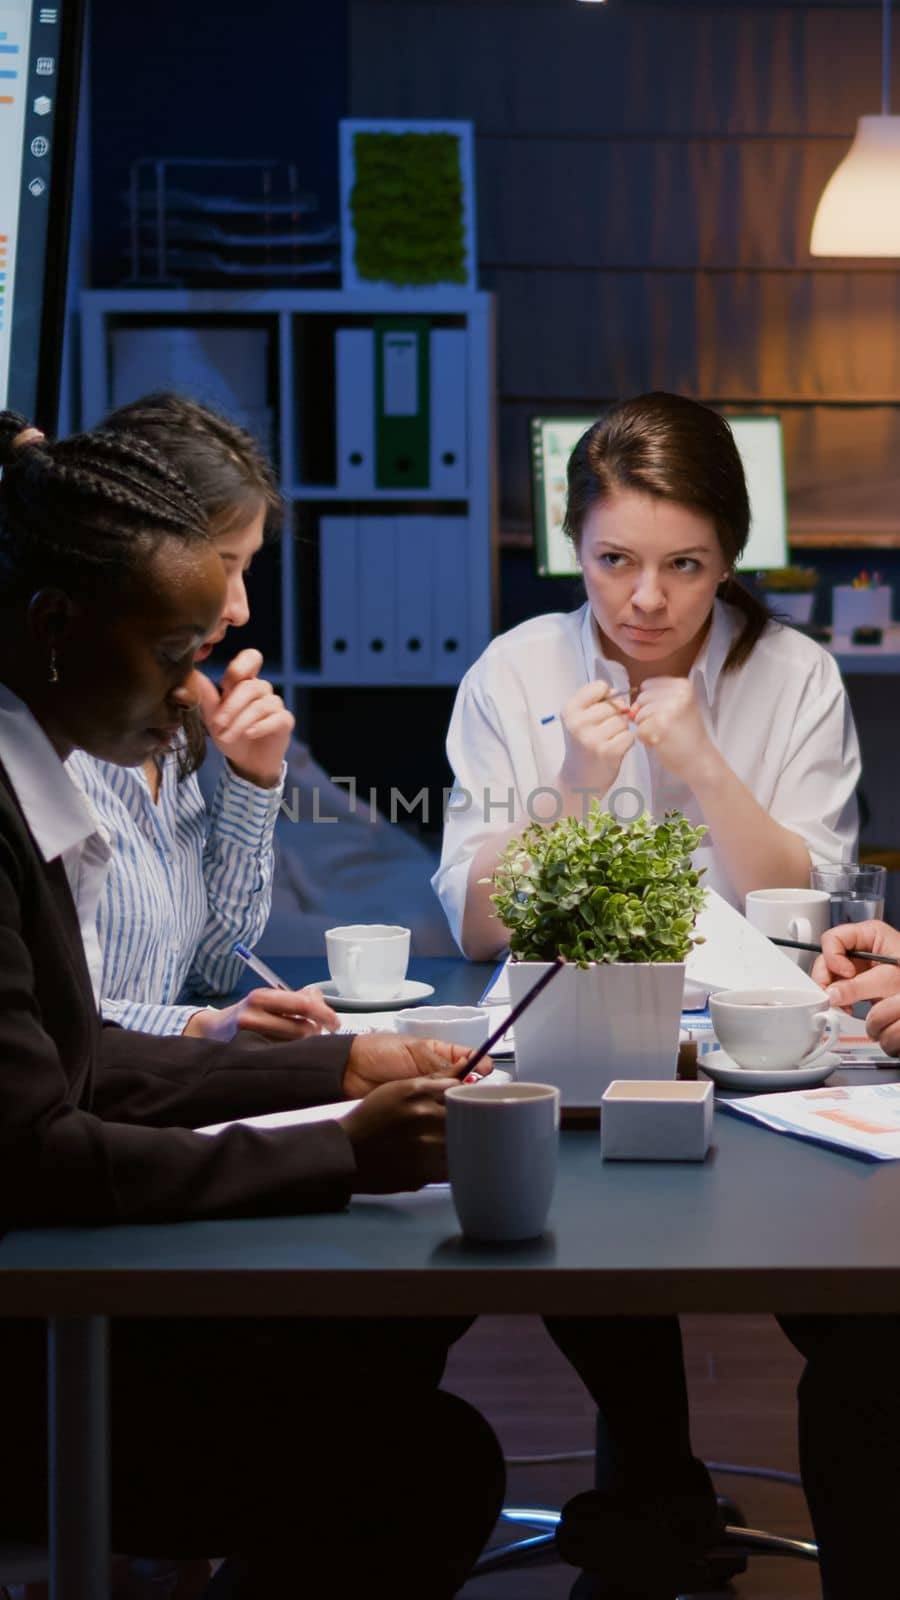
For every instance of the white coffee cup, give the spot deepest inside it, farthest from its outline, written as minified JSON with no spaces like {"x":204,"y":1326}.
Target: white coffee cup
{"x":502,"y":1144}
{"x":454,"y":1024}
{"x":801,"y":914}
{"x":368,"y":960}
{"x":773,"y":1030}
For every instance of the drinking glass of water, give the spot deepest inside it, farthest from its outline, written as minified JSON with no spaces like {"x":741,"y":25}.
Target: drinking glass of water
{"x":856,"y":892}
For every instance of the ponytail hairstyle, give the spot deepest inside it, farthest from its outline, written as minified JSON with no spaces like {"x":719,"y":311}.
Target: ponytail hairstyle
{"x":85,"y":511}
{"x":225,"y":467}
{"x":228,"y":472}
{"x":673,"y":449}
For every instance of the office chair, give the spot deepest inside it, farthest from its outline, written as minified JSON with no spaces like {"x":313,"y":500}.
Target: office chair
{"x":724,"y":1561}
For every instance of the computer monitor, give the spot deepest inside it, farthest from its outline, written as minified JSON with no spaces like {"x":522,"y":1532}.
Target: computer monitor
{"x":40,"y":48}
{"x":759,"y":442}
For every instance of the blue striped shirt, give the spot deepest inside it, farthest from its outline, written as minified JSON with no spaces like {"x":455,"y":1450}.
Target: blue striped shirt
{"x":185,"y":884}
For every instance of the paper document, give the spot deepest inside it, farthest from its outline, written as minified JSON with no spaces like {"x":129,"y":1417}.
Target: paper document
{"x":736,"y":955}
{"x":863,"y":1119}
{"x":496,"y":990}
{"x":288,"y":1119}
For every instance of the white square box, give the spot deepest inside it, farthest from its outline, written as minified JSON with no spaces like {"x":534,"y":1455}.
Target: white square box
{"x":860,"y":608}
{"x":655,"y":1121}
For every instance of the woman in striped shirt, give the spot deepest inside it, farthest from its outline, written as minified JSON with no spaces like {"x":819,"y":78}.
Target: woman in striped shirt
{"x":187,"y":882}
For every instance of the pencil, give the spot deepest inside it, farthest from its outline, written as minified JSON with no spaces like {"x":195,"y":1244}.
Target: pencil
{"x":521,"y":1005}
{"x":852,"y":955}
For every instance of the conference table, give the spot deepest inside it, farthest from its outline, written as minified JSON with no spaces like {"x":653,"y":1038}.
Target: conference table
{"x":764,"y":1223}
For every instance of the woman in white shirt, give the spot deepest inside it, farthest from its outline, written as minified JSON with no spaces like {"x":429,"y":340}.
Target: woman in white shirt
{"x":671,"y":687}
{"x":187,"y":882}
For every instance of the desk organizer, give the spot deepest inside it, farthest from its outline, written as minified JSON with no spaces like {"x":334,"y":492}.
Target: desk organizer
{"x":655,"y":1121}
{"x":860,"y":608}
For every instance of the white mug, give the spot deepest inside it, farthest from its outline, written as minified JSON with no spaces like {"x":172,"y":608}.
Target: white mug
{"x":454,"y":1024}
{"x":773,"y":1030}
{"x":502,"y":1144}
{"x":801,"y":914}
{"x":368,"y":960}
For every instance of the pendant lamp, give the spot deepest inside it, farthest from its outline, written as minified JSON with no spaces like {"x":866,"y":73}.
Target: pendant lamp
{"x":859,"y":212}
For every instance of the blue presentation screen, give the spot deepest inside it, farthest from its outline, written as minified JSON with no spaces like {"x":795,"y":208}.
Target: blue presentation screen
{"x":39,"y":58}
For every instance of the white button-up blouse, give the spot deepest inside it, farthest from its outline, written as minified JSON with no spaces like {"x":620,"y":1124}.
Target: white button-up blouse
{"x":782,"y":721}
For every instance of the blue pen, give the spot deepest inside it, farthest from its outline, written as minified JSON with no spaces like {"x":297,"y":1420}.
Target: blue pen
{"x":617,"y":694}
{"x":260,"y":968}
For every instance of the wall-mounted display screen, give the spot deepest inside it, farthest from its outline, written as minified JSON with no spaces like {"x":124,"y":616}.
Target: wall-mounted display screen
{"x":39,"y":65}
{"x":759,"y":441}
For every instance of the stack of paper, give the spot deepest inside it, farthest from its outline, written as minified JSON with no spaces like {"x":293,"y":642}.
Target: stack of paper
{"x":864,"y":1119}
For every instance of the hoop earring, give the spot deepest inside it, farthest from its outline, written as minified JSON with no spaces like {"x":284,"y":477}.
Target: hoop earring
{"x":53,"y":674}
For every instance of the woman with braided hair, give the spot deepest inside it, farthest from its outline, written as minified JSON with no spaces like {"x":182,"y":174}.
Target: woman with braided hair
{"x":226,"y":1434}
{"x":186,"y":883}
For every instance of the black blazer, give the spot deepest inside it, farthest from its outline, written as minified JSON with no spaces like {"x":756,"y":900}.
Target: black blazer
{"x":95,"y":1120}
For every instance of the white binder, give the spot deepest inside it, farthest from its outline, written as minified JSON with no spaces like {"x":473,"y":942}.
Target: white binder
{"x":339,"y":617}
{"x":373,"y":582}
{"x":355,"y":405}
{"x":414,"y":584}
{"x":449,"y":412}
{"x":450,"y":568}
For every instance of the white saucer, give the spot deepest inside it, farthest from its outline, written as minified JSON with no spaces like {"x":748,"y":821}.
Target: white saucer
{"x":410,"y":994}
{"x":728,"y":1075}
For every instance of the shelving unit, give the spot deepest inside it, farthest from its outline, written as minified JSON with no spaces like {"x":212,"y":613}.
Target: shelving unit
{"x":379,"y":412}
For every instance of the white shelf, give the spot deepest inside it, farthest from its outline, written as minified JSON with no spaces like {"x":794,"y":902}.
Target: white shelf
{"x":329,"y":492}
{"x":435,"y":578}
{"x":875,"y":658}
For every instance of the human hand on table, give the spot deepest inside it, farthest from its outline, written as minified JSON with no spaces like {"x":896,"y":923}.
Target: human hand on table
{"x":666,"y":718}
{"x":275,"y":1014}
{"x":598,"y":735}
{"x":378,"y":1058}
{"x":847,"y":982}
{"x":245,"y":719}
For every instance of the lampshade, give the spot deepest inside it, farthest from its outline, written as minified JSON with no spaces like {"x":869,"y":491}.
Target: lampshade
{"x":859,"y":212}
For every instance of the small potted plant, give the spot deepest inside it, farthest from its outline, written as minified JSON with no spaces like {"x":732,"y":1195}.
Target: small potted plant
{"x":789,"y":592}
{"x":619,"y":900}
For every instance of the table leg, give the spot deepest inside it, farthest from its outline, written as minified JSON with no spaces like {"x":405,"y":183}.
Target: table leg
{"x":78,"y":1400}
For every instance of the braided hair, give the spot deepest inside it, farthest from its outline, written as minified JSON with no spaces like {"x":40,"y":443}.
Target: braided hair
{"x":85,"y":509}
{"x":226,"y":468}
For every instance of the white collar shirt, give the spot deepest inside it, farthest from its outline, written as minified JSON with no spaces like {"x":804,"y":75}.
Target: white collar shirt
{"x":782,"y":721}
{"x":60,"y":819}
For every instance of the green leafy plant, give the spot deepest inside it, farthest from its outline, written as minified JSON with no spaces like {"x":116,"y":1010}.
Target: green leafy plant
{"x":789,"y":580}
{"x":407,"y":208}
{"x":601,"y":890}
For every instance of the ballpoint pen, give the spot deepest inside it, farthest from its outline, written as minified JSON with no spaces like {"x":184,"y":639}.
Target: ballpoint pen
{"x":260,"y":968}
{"x":617,"y":694}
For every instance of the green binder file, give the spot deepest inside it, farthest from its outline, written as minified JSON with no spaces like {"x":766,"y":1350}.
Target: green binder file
{"x":402,"y":423}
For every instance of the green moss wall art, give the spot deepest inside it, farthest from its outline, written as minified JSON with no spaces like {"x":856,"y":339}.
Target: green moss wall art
{"x":407,"y":205}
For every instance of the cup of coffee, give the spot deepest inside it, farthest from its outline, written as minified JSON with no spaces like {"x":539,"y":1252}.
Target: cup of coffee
{"x":502,"y":1145}
{"x":454,"y":1024}
{"x":367,"y":960}
{"x":801,"y":914}
{"x":773,"y":1030}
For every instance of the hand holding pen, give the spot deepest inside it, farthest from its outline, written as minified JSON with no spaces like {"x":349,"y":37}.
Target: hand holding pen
{"x":275,"y":1012}
{"x":598,"y":734}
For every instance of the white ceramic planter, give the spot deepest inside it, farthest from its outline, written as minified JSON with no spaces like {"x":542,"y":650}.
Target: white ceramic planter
{"x":594,"y":1024}
{"x":795,"y":607}
{"x":860,"y":608}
